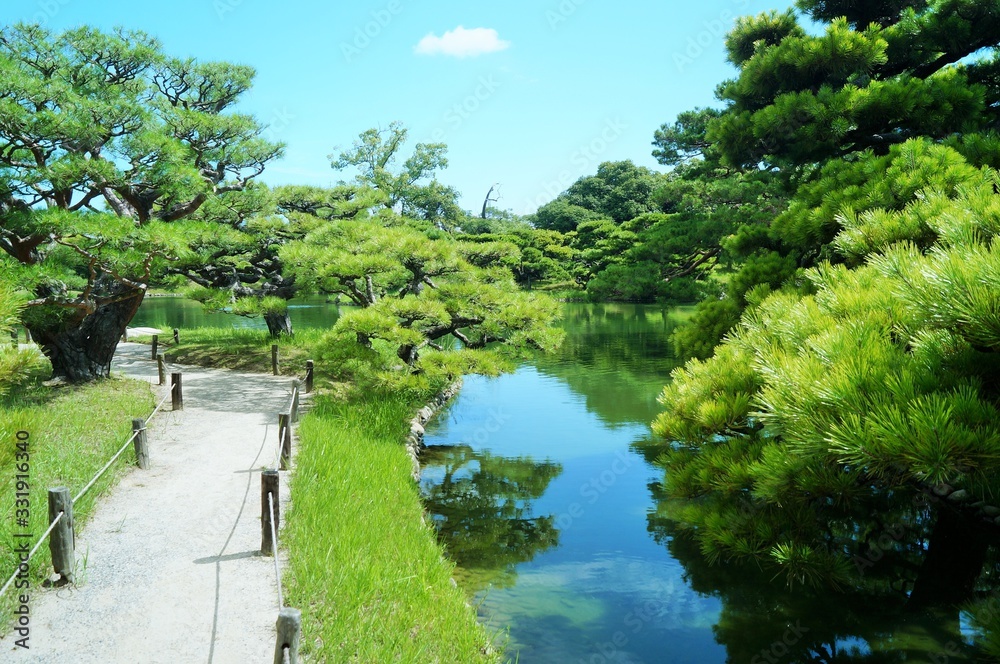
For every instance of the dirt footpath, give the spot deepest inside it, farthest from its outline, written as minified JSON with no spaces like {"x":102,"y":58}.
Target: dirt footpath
{"x":172,"y":570}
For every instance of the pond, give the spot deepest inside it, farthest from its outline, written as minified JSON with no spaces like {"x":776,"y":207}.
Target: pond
{"x":542,"y":490}
{"x":544,"y":505}
{"x":167,"y":313}
{"x":539,"y":485}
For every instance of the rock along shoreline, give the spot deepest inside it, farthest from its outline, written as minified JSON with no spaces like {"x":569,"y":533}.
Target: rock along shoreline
{"x":415,"y":438}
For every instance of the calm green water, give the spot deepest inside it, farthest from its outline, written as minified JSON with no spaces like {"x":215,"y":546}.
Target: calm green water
{"x":167,"y":313}
{"x":541,"y":494}
{"x":543,"y":504}
{"x":536,"y":484}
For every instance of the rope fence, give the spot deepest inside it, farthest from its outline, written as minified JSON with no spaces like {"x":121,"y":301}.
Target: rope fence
{"x":61,"y":535}
{"x":24,"y":563}
{"x":274,"y":538}
{"x":105,"y":468}
{"x":289,"y":624}
{"x":61,"y":506}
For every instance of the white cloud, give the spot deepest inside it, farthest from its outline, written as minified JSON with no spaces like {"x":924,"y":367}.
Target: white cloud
{"x":462,"y":43}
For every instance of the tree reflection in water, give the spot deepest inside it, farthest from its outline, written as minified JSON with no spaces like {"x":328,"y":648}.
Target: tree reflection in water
{"x":910,"y":568}
{"x":481,"y":506}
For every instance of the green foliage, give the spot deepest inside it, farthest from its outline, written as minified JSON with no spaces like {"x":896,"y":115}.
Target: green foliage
{"x":634,"y":282}
{"x":845,"y":190}
{"x":753,"y":34}
{"x":861,"y":375}
{"x":877,"y":383}
{"x":711,"y":320}
{"x":596,"y":245}
{"x":416,"y":293}
{"x":684,"y":140}
{"x":109,"y":142}
{"x":562,"y":216}
{"x":882,"y":75}
{"x":860,"y":14}
{"x":413,"y":189}
{"x":15,"y":363}
{"x":619,"y":190}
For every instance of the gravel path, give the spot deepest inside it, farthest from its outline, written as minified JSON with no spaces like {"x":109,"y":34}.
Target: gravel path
{"x":173,"y":571}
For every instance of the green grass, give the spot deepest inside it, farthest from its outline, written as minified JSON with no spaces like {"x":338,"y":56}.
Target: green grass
{"x":73,"y":430}
{"x":364,"y":567}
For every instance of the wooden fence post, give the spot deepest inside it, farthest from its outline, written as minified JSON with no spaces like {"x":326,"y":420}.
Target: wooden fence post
{"x":61,"y":540}
{"x":161,"y":368}
{"x":289,"y":628}
{"x":294,"y":411}
{"x":27,"y":335}
{"x":176,"y":392}
{"x":269,"y":487}
{"x":285,"y":435}
{"x":141,"y":443}
{"x":156,"y":342}
{"x":125,"y":335}
{"x":310,"y":368}
{"x":177,"y":337}
{"x":274,"y":358}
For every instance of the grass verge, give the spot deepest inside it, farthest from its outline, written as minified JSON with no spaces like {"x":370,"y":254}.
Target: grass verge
{"x":367,"y":572}
{"x":73,"y":432}
{"x":364,"y":565}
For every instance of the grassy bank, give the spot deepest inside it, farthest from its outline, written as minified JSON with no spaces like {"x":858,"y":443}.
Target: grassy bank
{"x":73,"y":432}
{"x":368,"y":574}
{"x":369,"y":570}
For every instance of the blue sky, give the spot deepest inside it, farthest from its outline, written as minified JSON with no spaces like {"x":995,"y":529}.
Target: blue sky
{"x":568,"y":83}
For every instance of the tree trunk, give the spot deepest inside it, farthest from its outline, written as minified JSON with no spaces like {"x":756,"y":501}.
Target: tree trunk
{"x":956,"y":553}
{"x":81,"y":350}
{"x":408,"y":354}
{"x":278,"y":324}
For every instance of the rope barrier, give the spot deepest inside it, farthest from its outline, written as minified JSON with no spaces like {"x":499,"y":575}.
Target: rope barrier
{"x":106,"y":466}
{"x":274,"y":538}
{"x":32,"y":553}
{"x":122,"y":449}
{"x":163,"y":401}
{"x":86,"y":489}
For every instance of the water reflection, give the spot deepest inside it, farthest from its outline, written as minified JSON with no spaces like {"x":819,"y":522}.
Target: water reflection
{"x":481,"y":506}
{"x":617,"y":357}
{"x":908,"y":570}
{"x":170,"y":312}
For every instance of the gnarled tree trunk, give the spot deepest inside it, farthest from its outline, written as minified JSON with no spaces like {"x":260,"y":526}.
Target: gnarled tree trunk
{"x":278,"y":324}
{"x":81,"y":349}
